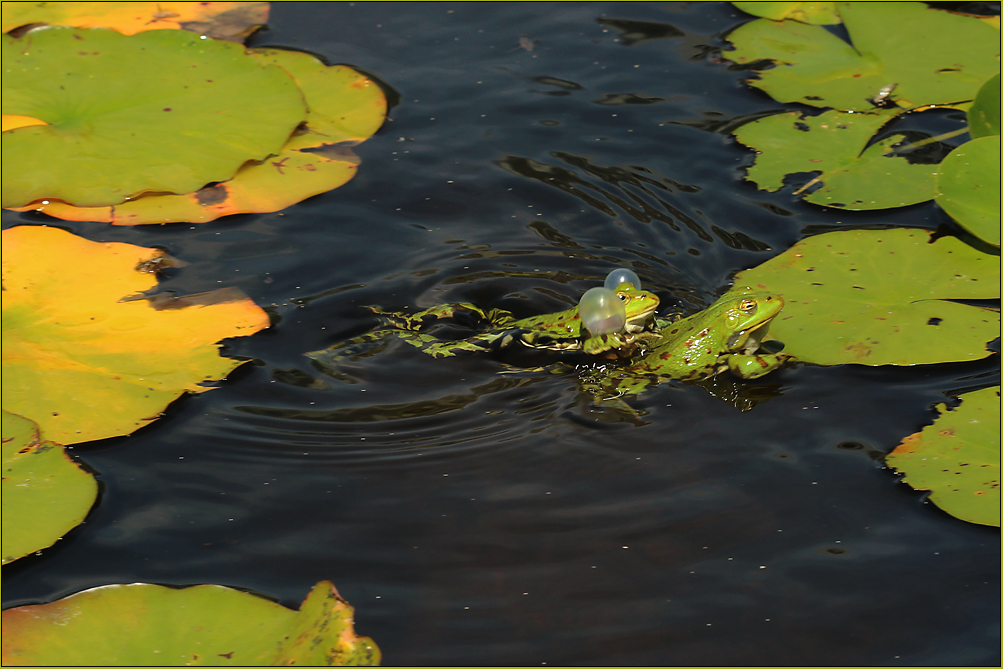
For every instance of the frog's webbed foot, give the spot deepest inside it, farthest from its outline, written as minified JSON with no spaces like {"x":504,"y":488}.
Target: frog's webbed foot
{"x":756,"y":365}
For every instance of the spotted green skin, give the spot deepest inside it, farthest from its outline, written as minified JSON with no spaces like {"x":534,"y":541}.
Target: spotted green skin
{"x":560,"y":331}
{"x":724,"y":337}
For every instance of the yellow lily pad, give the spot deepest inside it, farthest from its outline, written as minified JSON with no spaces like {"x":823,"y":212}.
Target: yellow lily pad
{"x":85,"y":355}
{"x":45,"y":493}
{"x":232,"y":21}
{"x":345,"y":108}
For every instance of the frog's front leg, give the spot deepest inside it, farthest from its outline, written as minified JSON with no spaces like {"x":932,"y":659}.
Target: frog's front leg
{"x":753,"y":366}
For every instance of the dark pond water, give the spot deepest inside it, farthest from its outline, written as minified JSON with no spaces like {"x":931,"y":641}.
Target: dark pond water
{"x":479,"y":517}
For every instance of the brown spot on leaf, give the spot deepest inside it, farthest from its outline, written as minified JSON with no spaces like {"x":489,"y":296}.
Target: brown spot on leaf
{"x":279,"y":164}
{"x":211,"y":195}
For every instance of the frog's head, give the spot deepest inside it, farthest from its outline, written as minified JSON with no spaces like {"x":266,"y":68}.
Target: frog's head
{"x":744,"y":315}
{"x":639,"y":304}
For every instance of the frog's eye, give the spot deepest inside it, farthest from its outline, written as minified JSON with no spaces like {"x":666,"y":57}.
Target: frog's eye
{"x":624,"y":297}
{"x":748,"y":306}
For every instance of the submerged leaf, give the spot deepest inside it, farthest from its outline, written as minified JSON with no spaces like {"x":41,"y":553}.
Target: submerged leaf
{"x":45,"y":493}
{"x":83,"y":360}
{"x":345,"y":108}
{"x":833,"y":143}
{"x":140,"y":624}
{"x":934,"y":57}
{"x":969,"y":185}
{"x":881,"y":297}
{"x":223,"y":20}
{"x":118,"y":126}
{"x":958,"y":458}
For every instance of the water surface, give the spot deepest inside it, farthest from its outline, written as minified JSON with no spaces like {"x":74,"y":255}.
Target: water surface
{"x":478,"y":514}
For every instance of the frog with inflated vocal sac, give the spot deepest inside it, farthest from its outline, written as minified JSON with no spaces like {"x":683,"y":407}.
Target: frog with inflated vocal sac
{"x":614,"y":322}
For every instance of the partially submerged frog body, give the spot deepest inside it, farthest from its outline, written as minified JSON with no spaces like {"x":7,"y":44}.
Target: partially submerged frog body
{"x":724,"y":337}
{"x":560,"y":331}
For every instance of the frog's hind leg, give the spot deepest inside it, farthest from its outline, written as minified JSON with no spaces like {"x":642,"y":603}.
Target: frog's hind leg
{"x":442,"y":349}
{"x":460,"y":311}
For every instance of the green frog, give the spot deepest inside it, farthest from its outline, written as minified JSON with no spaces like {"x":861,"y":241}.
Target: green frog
{"x":560,"y":331}
{"x":724,"y":337}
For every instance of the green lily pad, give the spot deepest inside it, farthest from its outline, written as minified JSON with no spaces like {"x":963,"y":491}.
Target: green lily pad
{"x":139,"y":624}
{"x":958,"y":458}
{"x":162,"y":111}
{"x":934,"y":57}
{"x":833,"y":142}
{"x":881,"y":297}
{"x":45,"y":493}
{"x":969,"y":185}
{"x":984,"y":114}
{"x":85,"y":356}
{"x":816,"y":13}
{"x":346,"y":108}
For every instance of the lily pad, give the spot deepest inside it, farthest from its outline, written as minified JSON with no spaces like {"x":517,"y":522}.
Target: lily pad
{"x":222,"y":20}
{"x":45,"y":493}
{"x":119,"y":127}
{"x":815,"y":13}
{"x":984,"y":114}
{"x":833,"y":143}
{"x":969,"y":185}
{"x":934,"y":57}
{"x":140,"y":624}
{"x":958,"y":458}
{"x":346,"y":108}
{"x":881,"y":297}
{"x":85,"y":355}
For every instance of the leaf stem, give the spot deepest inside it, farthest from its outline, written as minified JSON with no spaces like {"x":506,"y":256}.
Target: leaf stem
{"x":924,"y":142}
